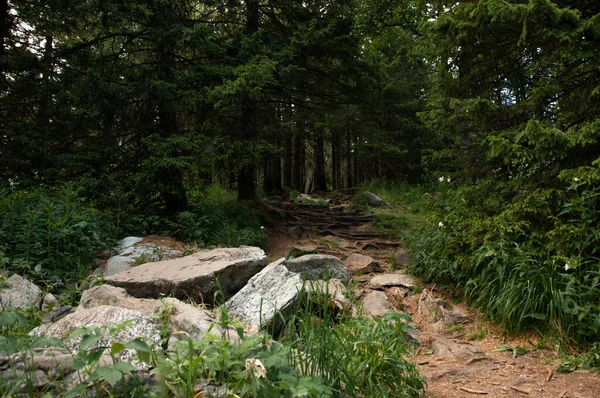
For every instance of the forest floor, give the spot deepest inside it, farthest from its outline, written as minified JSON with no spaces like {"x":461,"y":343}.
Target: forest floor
{"x":463,"y":359}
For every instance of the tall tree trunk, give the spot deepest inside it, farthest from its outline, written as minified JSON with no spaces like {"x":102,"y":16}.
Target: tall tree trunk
{"x":335,"y":161}
{"x":320,"y":180}
{"x":247,"y":173}
{"x":170,"y":178}
{"x":356,"y":167}
{"x":287,"y":156}
{"x":277,"y":168}
{"x":348,"y":158}
{"x":298,"y":166}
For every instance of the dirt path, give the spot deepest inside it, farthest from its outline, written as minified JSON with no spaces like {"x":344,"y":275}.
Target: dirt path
{"x":458,"y":353}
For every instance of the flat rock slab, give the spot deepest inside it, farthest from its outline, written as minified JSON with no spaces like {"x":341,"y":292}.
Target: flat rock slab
{"x":359,"y":263}
{"x":390,"y":280}
{"x":447,"y":348}
{"x":193,"y":277}
{"x":184,"y":317}
{"x":18,"y":292}
{"x":376,"y":303}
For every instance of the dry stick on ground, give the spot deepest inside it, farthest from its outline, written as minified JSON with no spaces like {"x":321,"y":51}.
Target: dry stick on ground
{"x":519,"y":390}
{"x":550,"y":374}
{"x":470,"y":391}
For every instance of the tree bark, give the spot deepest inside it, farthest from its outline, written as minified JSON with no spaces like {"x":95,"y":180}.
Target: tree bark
{"x":287,"y":159}
{"x":348,"y":158}
{"x":320,"y":180}
{"x":247,"y":173}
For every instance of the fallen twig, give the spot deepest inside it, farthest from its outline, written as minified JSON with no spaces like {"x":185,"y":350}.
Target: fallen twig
{"x":475,"y":359}
{"x":519,"y":390}
{"x":550,"y":374}
{"x":470,"y":391}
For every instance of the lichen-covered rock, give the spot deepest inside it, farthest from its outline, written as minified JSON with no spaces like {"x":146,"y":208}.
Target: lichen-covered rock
{"x":18,"y":292}
{"x":272,"y":292}
{"x":193,"y":320}
{"x":104,"y":318}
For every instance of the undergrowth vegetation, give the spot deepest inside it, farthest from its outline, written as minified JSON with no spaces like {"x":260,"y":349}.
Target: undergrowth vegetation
{"x":321,"y":353}
{"x":528,"y":258}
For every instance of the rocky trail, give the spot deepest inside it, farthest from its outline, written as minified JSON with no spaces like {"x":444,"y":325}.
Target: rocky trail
{"x":459,"y":354}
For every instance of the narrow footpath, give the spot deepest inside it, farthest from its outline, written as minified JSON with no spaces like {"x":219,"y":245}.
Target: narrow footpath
{"x":460,"y":354}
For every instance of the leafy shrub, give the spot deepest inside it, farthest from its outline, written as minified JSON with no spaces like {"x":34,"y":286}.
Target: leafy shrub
{"x":527,"y":258}
{"x":50,"y":235}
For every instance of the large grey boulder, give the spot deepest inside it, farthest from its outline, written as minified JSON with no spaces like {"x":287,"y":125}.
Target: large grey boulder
{"x":195,"y":321}
{"x":18,"y":292}
{"x":373,"y":200}
{"x":193,"y":277}
{"x":316,"y":266}
{"x":103,"y":318}
{"x":274,"y":293}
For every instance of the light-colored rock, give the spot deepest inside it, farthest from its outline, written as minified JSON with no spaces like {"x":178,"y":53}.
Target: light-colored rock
{"x":272,"y":292}
{"x":118,"y":264}
{"x":447,"y":348}
{"x":360,"y":263}
{"x":375,"y":303}
{"x":104,"y":318}
{"x":334,"y":288}
{"x":184,"y":317}
{"x":315,"y":266}
{"x":50,"y":302}
{"x":435,"y":310}
{"x":388,"y":280}
{"x":134,"y":248}
{"x":193,"y":277}
{"x":373,"y":200}
{"x":42,"y":366}
{"x":18,"y":292}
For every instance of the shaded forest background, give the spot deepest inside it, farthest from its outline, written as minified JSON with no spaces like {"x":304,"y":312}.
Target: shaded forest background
{"x":144,"y":107}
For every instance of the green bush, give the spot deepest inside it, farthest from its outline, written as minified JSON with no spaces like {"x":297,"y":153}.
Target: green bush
{"x":527,"y":258}
{"x":50,"y":234}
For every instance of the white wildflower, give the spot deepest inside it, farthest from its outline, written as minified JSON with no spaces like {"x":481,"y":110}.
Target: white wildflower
{"x":441,"y":224}
{"x":567,"y":266}
{"x":441,"y":179}
{"x":576,"y":179}
{"x":255,"y":368}
{"x":448,"y":179}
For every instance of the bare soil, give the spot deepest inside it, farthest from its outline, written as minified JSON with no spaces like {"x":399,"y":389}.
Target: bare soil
{"x":341,"y":232}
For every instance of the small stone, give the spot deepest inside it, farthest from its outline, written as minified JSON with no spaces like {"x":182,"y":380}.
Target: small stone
{"x":375,"y":303}
{"x":389,"y":280}
{"x":359,"y":262}
{"x":294,"y":232}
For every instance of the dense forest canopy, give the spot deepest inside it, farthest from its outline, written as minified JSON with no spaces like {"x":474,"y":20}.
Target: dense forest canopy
{"x":144,"y":106}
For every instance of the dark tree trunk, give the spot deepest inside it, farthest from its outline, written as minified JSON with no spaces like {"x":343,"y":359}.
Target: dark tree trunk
{"x":320,"y":180}
{"x":277,"y":168}
{"x":335,"y":162}
{"x":247,"y":173}
{"x":298,"y":166}
{"x":287,"y":156}
{"x":348,"y":158}
{"x":356,"y":166}
{"x":170,"y":178}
